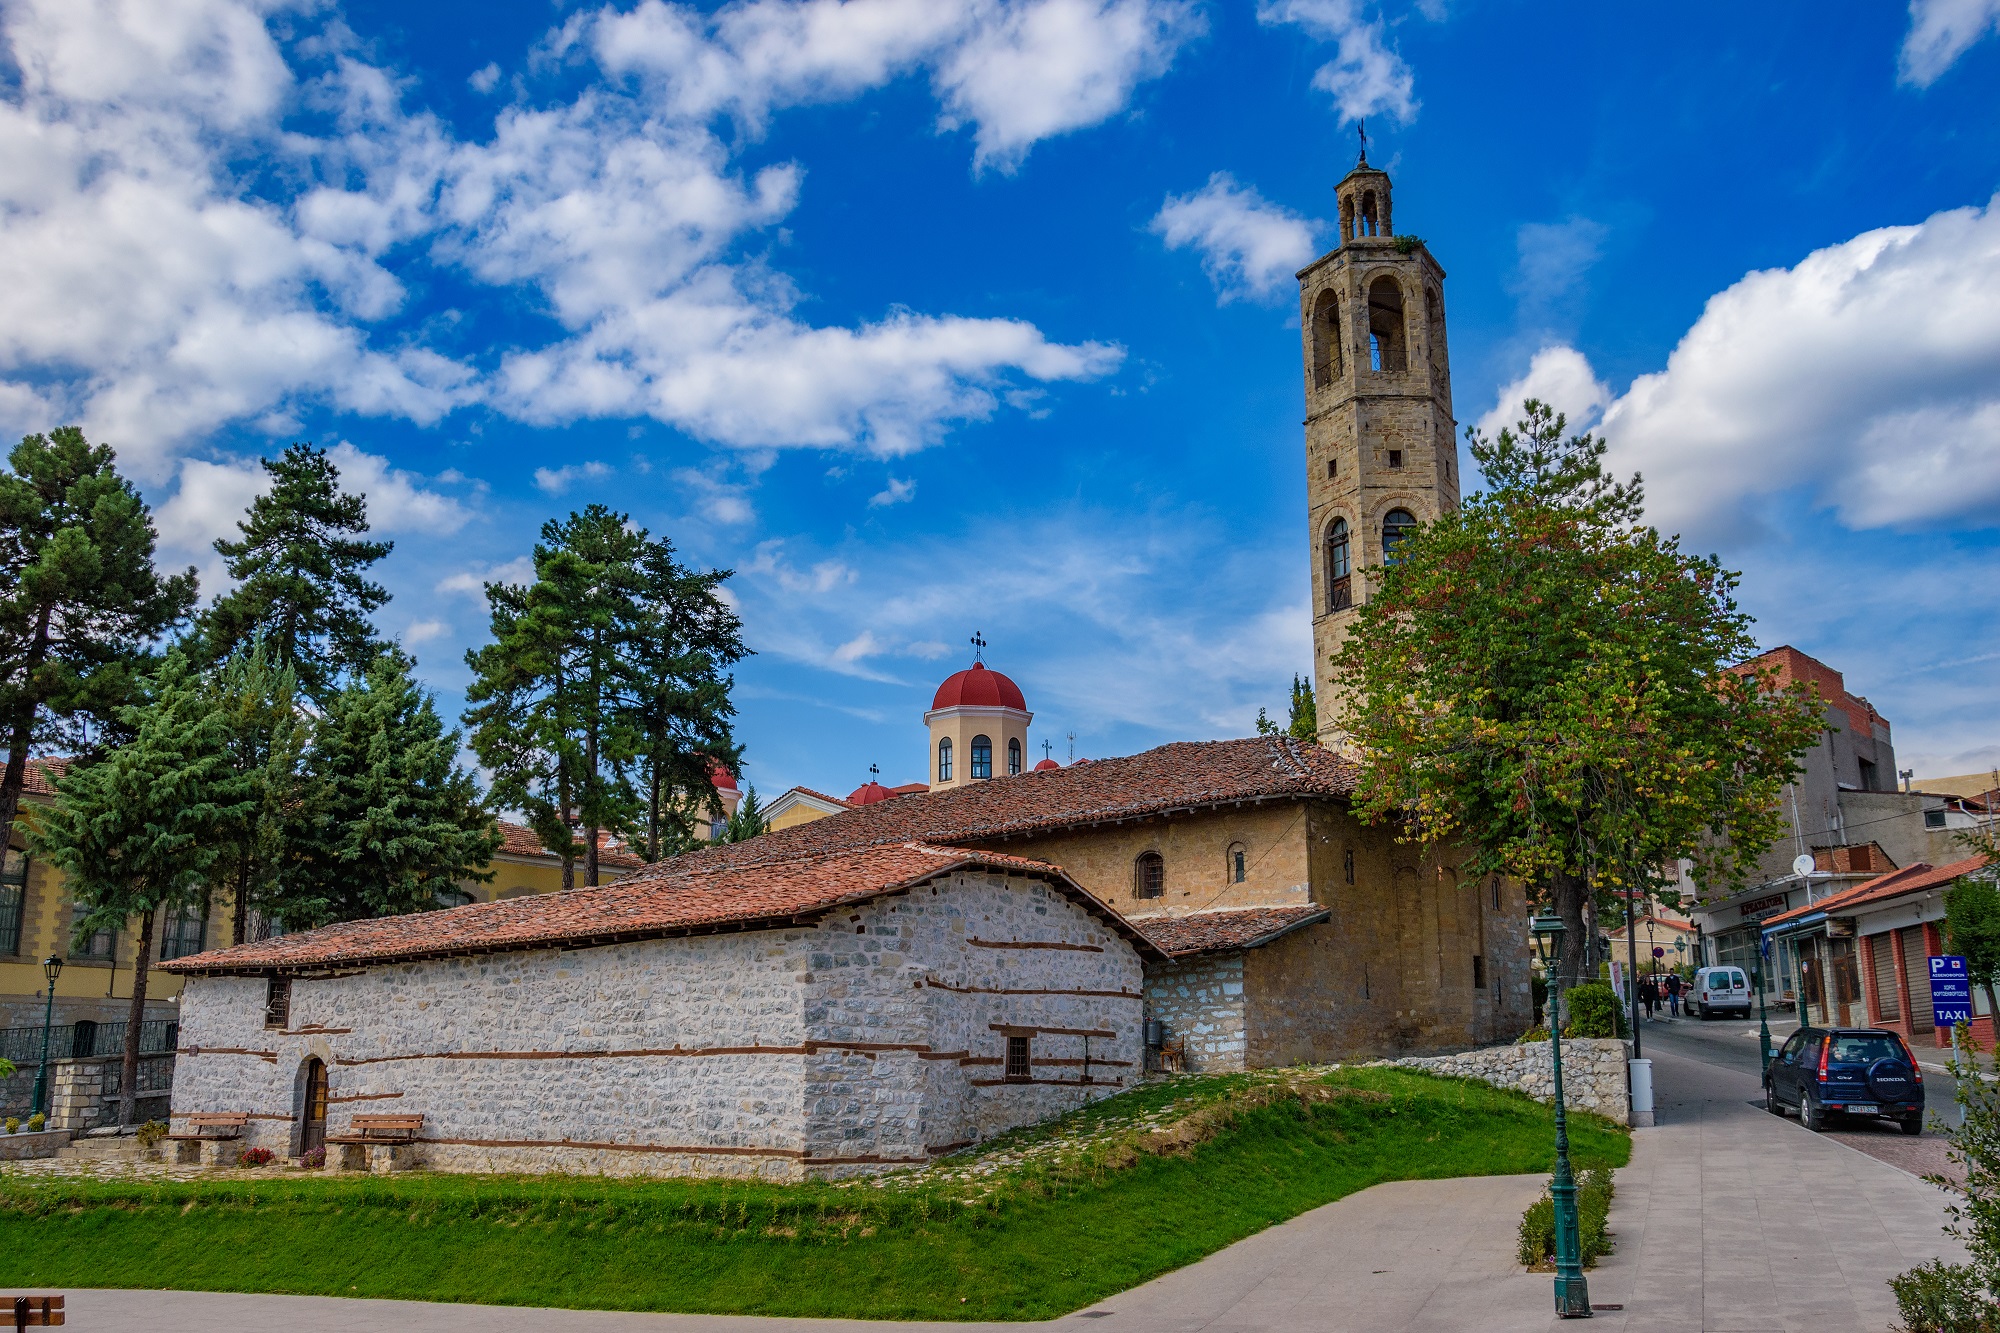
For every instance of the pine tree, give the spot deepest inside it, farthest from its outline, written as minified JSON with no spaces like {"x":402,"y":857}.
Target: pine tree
{"x":149,"y":826}
{"x":80,"y":599}
{"x":1304,"y":722}
{"x":301,"y":571}
{"x":389,"y":822}
{"x":259,"y":702}
{"x":747,"y":821}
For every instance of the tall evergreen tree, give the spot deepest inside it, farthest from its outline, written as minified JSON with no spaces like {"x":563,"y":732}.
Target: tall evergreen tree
{"x":148,"y":827}
{"x":301,"y":576}
{"x":258,"y":700}
{"x":388,"y":822}
{"x":80,"y":599}
{"x":1304,"y":722}
{"x":1544,"y":677}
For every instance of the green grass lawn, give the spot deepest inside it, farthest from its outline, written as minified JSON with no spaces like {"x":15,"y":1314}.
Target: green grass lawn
{"x":1031,"y":1242}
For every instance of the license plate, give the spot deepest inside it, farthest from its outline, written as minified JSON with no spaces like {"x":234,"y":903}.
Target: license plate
{"x":1863,"y":1108}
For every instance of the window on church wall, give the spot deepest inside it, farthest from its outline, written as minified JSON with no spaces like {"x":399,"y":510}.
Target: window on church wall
{"x":1236,"y":866}
{"x":1149,"y":875}
{"x":1020,"y":1065}
{"x":1388,"y":352}
{"x":1326,"y":339}
{"x":1339,"y":567}
{"x":1396,"y":529}
{"x":277,"y":1002}
{"x":982,"y":757}
{"x":944,"y":760}
{"x":1013,"y":756}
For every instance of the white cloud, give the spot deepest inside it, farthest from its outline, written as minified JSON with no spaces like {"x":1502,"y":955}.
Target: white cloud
{"x":1868,"y":376}
{"x":485,"y":77}
{"x":896,"y":492}
{"x":768,"y":562}
{"x":1365,"y":77}
{"x":556,"y":480}
{"x":1553,"y":258}
{"x":423,"y":631}
{"x":1940,"y":32}
{"x":1249,"y":247}
{"x":396,"y":503}
{"x":717,"y":500}
{"x":1560,"y":377}
{"x":519,"y":572}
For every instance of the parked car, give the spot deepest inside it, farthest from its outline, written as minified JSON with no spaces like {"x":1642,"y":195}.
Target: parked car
{"x":1719,"y":990}
{"x":1855,"y":1071}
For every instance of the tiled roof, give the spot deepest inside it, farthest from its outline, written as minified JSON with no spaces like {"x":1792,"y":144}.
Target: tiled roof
{"x":520,"y":840}
{"x":687,"y":900}
{"x":1226,"y":929}
{"x":1910,"y":879}
{"x":1188,"y":775}
{"x":40,"y":779}
{"x":821,"y":796}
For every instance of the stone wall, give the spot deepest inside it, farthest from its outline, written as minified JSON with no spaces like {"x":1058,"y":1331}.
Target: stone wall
{"x":84,"y":1094}
{"x":1594,"y":1073}
{"x":877,"y":1037}
{"x":1201,"y":1000}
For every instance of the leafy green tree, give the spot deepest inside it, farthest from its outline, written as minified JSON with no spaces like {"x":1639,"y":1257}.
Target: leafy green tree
{"x":1972,"y":925}
{"x":389,"y":822}
{"x":258,"y":699}
{"x":301,"y":576}
{"x":1303,"y":724}
{"x":148,"y":827}
{"x":1542,"y":677}
{"x":748,"y":820}
{"x":80,"y":599}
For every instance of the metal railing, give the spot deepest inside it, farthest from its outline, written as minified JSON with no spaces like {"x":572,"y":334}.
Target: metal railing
{"x":84,"y":1039}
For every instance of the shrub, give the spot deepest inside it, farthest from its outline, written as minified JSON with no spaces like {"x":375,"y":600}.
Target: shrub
{"x":1593,"y":1208}
{"x":36,"y":1121}
{"x":1938,"y":1297}
{"x":151,"y":1133}
{"x":1958,"y":1298}
{"x":314,"y":1160}
{"x":254,"y":1157}
{"x":13,"y":1124}
{"x":1594,"y":1011}
{"x":7,"y":1069}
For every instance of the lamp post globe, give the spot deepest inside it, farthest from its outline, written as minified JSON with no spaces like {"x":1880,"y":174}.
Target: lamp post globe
{"x":52,"y":967}
{"x":1572,"y":1292}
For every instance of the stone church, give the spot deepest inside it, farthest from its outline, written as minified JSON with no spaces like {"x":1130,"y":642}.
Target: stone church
{"x":918,"y":971}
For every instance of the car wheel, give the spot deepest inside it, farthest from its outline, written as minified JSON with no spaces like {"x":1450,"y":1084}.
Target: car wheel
{"x":1914,"y":1125}
{"x":1771,"y":1102}
{"x":1810,"y":1115}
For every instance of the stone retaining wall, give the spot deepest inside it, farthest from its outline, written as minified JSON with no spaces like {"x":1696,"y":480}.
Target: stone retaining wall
{"x":1594,"y":1072}
{"x":20,"y":1147}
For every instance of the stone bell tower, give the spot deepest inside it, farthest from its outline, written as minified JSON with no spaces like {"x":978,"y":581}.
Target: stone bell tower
{"x":1381,"y":443}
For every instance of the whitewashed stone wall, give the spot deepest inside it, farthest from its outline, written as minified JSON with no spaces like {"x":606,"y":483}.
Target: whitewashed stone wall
{"x":1201,"y":999}
{"x":867,"y":1041}
{"x":1594,"y":1072}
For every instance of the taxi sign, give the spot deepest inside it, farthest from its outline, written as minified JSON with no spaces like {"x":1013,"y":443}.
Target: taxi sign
{"x":1951,"y":991}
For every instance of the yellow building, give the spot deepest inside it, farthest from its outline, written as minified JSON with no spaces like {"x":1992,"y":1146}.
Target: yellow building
{"x":96,"y":980}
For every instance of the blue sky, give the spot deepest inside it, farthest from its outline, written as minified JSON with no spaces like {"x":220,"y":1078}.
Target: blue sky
{"x":934,"y":316}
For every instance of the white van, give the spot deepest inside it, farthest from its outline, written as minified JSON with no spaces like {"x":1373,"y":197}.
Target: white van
{"x":1719,"y":990}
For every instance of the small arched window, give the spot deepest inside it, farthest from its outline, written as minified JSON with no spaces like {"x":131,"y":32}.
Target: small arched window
{"x":944,"y":760}
{"x":1396,"y":529}
{"x":1013,"y":755}
{"x":1339,"y":567}
{"x":982,"y":757}
{"x":1149,"y":875}
{"x":1236,"y":868}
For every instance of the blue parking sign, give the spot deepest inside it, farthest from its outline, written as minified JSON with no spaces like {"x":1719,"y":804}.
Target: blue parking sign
{"x":1951,"y":991}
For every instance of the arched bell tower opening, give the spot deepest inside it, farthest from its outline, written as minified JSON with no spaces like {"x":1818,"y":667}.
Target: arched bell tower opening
{"x":1381,"y":442}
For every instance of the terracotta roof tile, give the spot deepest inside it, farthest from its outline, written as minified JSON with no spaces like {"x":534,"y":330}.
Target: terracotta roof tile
{"x":690,"y":900}
{"x":520,"y":840}
{"x":1910,"y":879}
{"x":1226,"y":929}
{"x":1184,"y":776}
{"x":41,"y":776}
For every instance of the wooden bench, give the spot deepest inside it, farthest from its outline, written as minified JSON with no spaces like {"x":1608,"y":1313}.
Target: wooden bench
{"x":34,"y":1311}
{"x":375,"y":1143}
{"x":216,"y":1127}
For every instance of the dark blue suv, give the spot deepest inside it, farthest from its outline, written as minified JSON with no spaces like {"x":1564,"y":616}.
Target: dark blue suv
{"x":1858,"y":1071}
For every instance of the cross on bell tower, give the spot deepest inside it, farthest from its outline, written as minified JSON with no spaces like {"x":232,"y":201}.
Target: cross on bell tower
{"x":1381,"y":442}
{"x":978,"y":647}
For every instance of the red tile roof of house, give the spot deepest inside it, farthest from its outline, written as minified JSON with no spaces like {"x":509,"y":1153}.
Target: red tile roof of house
{"x":1910,"y":879}
{"x":40,"y":778}
{"x":1188,"y":775}
{"x":520,"y":840}
{"x":1224,"y":930}
{"x":822,"y":796}
{"x":690,"y":900}
{"x":1792,"y":665}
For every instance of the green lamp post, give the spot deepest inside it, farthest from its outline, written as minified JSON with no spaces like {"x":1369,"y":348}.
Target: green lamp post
{"x":52,"y":967}
{"x":1572,"y":1292}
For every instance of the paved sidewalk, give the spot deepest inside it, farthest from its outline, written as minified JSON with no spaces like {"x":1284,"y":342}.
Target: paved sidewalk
{"x":1729,"y":1220}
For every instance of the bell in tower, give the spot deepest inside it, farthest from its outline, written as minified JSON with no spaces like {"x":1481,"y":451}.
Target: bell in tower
{"x":1381,"y":443}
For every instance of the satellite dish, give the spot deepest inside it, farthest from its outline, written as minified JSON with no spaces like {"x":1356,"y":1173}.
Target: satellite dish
{"x":1802,"y":864}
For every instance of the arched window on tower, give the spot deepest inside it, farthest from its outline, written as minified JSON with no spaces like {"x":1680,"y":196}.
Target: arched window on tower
{"x":1149,"y":876}
{"x":1397,"y":525}
{"x":1326,"y":339}
{"x":1339,"y":567}
{"x":944,"y":760}
{"x":1368,"y":227}
{"x":1388,"y":349}
{"x":982,"y":757}
{"x":1013,"y":755}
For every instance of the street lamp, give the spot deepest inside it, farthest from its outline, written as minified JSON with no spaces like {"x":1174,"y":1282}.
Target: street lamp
{"x":1572,"y":1293}
{"x":1763,"y":1017}
{"x":51,"y":968}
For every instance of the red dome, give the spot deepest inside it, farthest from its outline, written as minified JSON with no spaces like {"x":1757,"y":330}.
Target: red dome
{"x":868,"y":793}
{"x":979,"y":688}
{"x":1046,"y":764}
{"x":720,"y":775}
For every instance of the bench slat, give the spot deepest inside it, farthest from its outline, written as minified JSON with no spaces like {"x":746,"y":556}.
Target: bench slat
{"x":33,"y":1311}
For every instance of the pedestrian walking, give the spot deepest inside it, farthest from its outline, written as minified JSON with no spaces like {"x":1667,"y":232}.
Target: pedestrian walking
{"x":1674,"y":994}
{"x":1649,"y":996}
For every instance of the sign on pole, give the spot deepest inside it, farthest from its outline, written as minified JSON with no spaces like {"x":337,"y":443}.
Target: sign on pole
{"x":1951,"y":991}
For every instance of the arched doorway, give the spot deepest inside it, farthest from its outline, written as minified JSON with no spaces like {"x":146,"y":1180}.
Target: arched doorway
{"x":312,"y":1124}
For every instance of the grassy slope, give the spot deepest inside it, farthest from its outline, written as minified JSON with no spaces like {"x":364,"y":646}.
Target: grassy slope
{"x":1037,"y":1246}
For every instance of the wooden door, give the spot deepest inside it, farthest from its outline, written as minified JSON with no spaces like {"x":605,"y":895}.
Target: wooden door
{"x":314,"y":1135}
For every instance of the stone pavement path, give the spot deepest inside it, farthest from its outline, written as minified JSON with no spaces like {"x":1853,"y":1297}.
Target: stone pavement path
{"x":1729,"y":1220}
